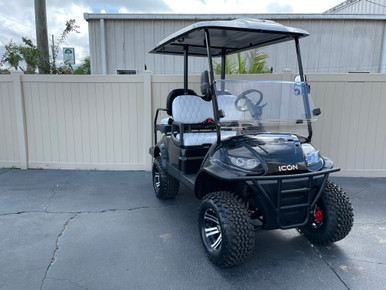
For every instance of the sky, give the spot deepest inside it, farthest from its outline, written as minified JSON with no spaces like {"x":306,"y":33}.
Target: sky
{"x":18,"y":18}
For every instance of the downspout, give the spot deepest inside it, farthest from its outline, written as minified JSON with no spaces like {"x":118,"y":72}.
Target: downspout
{"x":103,"y":46}
{"x":382,"y":68}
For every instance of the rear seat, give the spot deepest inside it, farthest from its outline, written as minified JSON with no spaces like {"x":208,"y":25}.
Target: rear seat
{"x":189,"y":109}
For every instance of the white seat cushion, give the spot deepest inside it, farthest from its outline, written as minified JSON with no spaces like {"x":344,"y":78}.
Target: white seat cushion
{"x":165,"y":121}
{"x":194,"y":139}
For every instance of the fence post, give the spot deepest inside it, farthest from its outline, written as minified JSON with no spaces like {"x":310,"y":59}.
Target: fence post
{"x":287,"y":73}
{"x":148,"y":117}
{"x":20,"y":118}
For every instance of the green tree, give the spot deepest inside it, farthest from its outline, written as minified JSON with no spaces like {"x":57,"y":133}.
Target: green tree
{"x":28,"y":52}
{"x":253,"y":62}
{"x":11,"y":55}
{"x":31,"y":56}
{"x":84,"y":68}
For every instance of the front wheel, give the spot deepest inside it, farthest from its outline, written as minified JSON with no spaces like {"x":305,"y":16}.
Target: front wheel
{"x":332,"y":218}
{"x":226,"y":229}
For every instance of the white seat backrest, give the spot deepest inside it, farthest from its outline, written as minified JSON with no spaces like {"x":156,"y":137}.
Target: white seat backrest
{"x":189,"y":109}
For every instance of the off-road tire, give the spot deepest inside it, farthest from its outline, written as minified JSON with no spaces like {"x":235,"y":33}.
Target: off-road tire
{"x":165,"y":186}
{"x":238,"y":237}
{"x":338,"y":217}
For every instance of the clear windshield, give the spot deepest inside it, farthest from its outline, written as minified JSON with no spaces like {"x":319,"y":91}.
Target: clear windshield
{"x":269,"y":106}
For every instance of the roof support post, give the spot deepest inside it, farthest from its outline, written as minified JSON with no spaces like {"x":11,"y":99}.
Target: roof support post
{"x":223,"y":63}
{"x":214,"y":98}
{"x":300,"y":64}
{"x":305,"y":93}
{"x":209,"y":53}
{"x":186,"y":53}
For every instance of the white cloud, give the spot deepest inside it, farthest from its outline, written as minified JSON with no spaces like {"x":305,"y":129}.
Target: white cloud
{"x":276,"y":6}
{"x":250,"y":6}
{"x":123,"y":10}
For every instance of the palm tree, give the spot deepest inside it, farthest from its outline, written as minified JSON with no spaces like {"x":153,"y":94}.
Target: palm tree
{"x":253,"y":62}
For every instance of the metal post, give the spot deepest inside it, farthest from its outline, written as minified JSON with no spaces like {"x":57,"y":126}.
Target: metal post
{"x":305,"y":94}
{"x":302,"y":78}
{"x":186,"y":53}
{"x":223,"y":64}
{"x":209,"y":53}
{"x":214,"y":98}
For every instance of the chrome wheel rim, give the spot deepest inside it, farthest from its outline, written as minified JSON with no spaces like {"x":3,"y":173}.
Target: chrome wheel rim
{"x":156,"y":179}
{"x":211,"y":231}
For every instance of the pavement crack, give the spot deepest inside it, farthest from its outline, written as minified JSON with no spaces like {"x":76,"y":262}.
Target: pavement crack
{"x":45,"y":211}
{"x":56,"y":249}
{"x":328,"y":264}
{"x":21,"y":212}
{"x":55,"y":191}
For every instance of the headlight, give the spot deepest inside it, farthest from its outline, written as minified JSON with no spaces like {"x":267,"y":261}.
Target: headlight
{"x":244,"y":163}
{"x":311,"y":155}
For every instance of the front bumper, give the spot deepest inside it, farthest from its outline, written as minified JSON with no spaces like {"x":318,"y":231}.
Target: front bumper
{"x":288,"y":200}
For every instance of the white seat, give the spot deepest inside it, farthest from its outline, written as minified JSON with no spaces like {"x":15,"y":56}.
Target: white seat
{"x":189,"y":109}
{"x":164,"y":121}
{"x":194,"y":139}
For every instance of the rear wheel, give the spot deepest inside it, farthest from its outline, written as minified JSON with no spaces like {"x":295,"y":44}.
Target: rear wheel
{"x":226,"y":229}
{"x":332,"y":218}
{"x":165,"y":186}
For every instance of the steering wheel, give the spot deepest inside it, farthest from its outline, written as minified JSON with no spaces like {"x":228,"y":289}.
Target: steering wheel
{"x":255,"y":109}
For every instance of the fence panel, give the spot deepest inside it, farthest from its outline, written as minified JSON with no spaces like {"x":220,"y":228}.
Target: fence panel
{"x":351,"y":129}
{"x":85,"y":122}
{"x":105,"y":122}
{"x":9,"y":145}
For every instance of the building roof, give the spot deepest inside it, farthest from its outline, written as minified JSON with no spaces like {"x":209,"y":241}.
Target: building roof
{"x":203,"y":17}
{"x":372,"y":7}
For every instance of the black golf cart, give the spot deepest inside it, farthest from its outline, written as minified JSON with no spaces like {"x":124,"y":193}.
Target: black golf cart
{"x":243,"y":147}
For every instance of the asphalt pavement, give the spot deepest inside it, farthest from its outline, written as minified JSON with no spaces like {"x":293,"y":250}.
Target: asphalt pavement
{"x":62,"y":229}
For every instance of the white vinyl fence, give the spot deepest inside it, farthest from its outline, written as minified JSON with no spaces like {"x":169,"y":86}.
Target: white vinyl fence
{"x":105,"y":122}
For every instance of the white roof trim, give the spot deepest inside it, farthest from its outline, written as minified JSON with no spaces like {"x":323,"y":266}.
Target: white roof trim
{"x":276,"y":16}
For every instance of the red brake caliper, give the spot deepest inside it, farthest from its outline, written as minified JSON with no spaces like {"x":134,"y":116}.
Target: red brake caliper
{"x":319,"y":215}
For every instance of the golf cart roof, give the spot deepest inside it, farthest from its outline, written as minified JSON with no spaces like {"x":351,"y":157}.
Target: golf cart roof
{"x":232,"y":36}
